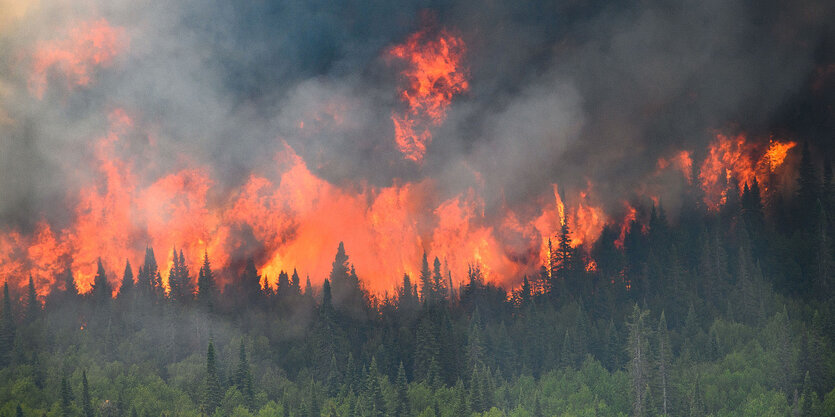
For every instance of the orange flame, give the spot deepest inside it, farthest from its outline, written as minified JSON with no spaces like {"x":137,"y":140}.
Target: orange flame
{"x":434,"y":74}
{"x":86,"y":46}
{"x":681,"y":161}
{"x":630,"y":216}
{"x":738,"y":159}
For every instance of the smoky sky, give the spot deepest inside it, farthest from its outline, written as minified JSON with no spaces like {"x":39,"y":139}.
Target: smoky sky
{"x":564,"y":92}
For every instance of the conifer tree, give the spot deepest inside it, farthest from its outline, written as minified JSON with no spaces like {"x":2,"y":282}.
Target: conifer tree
{"x":206,"y":287}
{"x":243,"y":377}
{"x":126,"y":288}
{"x":283,"y":287}
{"x":438,"y":286}
{"x":86,"y":400}
{"x":149,"y":281}
{"x":295,"y":283}
{"x":213,"y":394}
{"x":66,"y":398}
{"x":808,"y":188}
{"x":402,"y":407}
{"x":638,"y":348}
{"x":7,"y":328}
{"x":374,"y":392}
{"x":664,"y":358}
{"x":426,"y":293}
{"x":101,"y":287}
{"x":33,"y":306}
{"x":70,"y":288}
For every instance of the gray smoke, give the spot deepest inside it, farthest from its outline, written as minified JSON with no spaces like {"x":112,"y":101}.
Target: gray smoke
{"x":561,"y":92}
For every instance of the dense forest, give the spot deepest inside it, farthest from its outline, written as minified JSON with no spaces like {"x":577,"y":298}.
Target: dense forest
{"x":720,"y":312}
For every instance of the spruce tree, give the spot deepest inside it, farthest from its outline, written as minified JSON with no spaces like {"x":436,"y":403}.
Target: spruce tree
{"x":426,"y":287}
{"x":638,"y":348}
{"x":86,"y":400}
{"x":664,"y":357}
{"x":7,"y":328}
{"x":206,"y":287}
{"x":373,"y":391}
{"x":101,"y":291}
{"x":126,"y":289}
{"x":402,"y":407}
{"x":66,"y":398}
{"x":70,"y":288}
{"x":438,"y":286}
{"x":243,"y":377}
{"x":33,"y":306}
{"x":213,"y":394}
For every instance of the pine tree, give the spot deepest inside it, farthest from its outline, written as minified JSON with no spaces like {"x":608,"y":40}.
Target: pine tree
{"x":566,"y":353}
{"x":283,"y":289}
{"x":438,"y":286}
{"x":126,"y":289}
{"x":33,"y":306}
{"x":101,"y":291}
{"x":808,"y":189}
{"x":402,"y":407}
{"x":174,"y":285}
{"x":374,"y":392}
{"x":19,"y":411}
{"x":243,"y":377}
{"x":70,"y":289}
{"x":66,"y":398}
{"x":426,"y":349}
{"x":250,"y":283}
{"x":426,"y":293}
{"x":295,"y":283}
{"x":206,"y":287}
{"x":7,"y":328}
{"x":638,"y":348}
{"x":149,"y":281}
{"x":213,"y":394}
{"x":664,"y":357}
{"x":86,"y":401}
{"x":563,"y":255}
{"x":476,"y":392}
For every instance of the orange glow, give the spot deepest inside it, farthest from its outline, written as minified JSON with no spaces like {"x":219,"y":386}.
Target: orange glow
{"x":776,"y":153}
{"x":434,"y":74}
{"x":591,"y":266}
{"x":87,"y":46}
{"x":741,"y":160}
{"x":630,"y":216}
{"x":681,"y":161}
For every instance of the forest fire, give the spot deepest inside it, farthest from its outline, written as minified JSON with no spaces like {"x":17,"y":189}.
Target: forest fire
{"x":289,"y":218}
{"x":736,"y":161}
{"x":434,"y":74}
{"x":87,"y":46}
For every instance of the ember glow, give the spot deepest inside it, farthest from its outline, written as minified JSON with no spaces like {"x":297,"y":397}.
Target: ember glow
{"x":75,"y":57}
{"x":434,"y":74}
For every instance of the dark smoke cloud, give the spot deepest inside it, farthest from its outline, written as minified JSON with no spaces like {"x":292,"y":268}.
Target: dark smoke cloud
{"x":561,"y":92}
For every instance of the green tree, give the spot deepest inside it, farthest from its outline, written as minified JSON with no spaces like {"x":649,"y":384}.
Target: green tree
{"x":638,"y":348}
{"x":86,"y":400}
{"x":66,"y":398}
{"x":213,"y":394}
{"x":101,"y":291}
{"x":401,"y":403}
{"x":7,"y":328}
{"x":206,"y":287}
{"x":126,"y":288}
{"x":664,"y":357}
{"x":33,"y":306}
{"x":243,"y":377}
